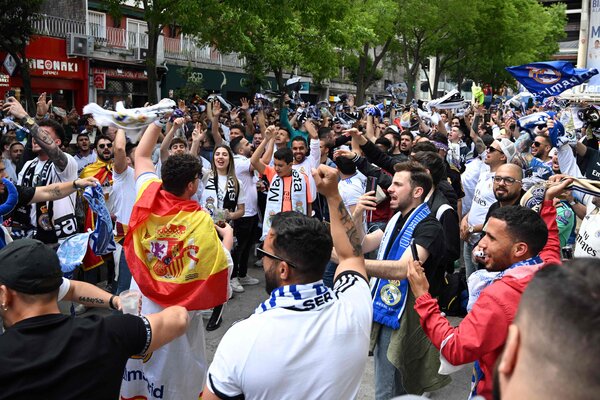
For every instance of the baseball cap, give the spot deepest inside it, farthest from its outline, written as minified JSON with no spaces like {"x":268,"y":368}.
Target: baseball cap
{"x":391,"y":129}
{"x":29,"y":266}
{"x":508,"y":148}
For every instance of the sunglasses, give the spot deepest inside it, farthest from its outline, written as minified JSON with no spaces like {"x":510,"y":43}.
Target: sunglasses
{"x":492,"y":149}
{"x":536,"y":144}
{"x":102,"y":146}
{"x":261,"y":252}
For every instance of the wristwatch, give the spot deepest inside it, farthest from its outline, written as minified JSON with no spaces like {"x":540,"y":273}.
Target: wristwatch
{"x":471,"y":229}
{"x":27,"y":120}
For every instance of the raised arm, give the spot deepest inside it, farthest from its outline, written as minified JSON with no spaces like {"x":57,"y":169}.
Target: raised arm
{"x":249,"y":123}
{"x":255,"y":159}
{"x":143,"y":152}
{"x":164,"y":145}
{"x":345,"y":237}
{"x":120,"y":163}
{"x":214,"y":126}
{"x":41,"y":136}
{"x":314,"y":143}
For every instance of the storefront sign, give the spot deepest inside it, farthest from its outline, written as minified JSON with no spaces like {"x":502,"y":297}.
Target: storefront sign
{"x":10,"y":64}
{"x":117,"y":73}
{"x":100,"y":81}
{"x":48,"y":58}
{"x":4,"y":80}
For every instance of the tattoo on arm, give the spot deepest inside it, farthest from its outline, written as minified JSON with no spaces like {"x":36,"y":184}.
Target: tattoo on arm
{"x":90,"y":300}
{"x":55,"y":193}
{"x":351,"y":231}
{"x":56,"y":155}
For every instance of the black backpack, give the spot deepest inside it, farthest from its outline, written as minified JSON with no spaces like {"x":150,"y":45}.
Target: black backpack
{"x":454,"y":294}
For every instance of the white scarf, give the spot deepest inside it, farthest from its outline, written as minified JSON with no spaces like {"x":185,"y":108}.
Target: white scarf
{"x":275,"y":198}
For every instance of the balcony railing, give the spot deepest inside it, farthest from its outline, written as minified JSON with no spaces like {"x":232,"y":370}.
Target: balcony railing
{"x":183,"y":48}
{"x":186,"y":49}
{"x":58,"y":27}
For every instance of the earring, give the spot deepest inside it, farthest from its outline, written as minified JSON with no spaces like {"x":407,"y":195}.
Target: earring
{"x":4,"y":308}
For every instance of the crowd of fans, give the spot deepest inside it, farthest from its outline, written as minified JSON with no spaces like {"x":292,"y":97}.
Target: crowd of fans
{"x":459,"y":208}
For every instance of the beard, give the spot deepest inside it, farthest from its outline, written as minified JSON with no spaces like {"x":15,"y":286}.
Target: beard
{"x":104,"y":157}
{"x":271,"y":281}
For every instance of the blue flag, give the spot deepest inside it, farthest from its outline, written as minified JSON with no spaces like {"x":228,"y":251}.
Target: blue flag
{"x":550,"y":78}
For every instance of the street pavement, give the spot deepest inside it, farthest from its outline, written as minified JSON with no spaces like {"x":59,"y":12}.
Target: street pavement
{"x":242,"y":305}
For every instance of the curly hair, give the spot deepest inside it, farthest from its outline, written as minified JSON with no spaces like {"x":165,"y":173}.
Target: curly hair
{"x":178,"y":171}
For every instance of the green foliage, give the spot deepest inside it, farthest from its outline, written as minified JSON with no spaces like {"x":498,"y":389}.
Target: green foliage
{"x":352,"y":63}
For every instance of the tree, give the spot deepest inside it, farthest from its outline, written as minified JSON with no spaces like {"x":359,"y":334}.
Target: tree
{"x":16,"y":28}
{"x":158,"y":14}
{"x":281,"y":36}
{"x":372,"y":26}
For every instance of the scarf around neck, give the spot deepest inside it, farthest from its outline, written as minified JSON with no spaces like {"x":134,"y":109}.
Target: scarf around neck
{"x":304,"y":297}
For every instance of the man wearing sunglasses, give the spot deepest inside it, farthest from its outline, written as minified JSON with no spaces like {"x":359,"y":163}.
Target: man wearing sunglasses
{"x":318,"y":335}
{"x":499,"y":153}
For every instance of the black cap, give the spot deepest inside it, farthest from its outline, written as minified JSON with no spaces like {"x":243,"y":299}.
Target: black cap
{"x":29,"y":266}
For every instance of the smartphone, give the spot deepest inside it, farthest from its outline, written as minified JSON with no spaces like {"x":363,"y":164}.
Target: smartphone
{"x":486,"y":117}
{"x":413,"y":248}
{"x":371,"y":183}
{"x":9,"y":93}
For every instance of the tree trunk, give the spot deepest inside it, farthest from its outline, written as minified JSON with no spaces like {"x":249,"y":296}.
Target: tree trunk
{"x":23,"y":66}
{"x":153,"y":33}
{"x":278,"y":71}
{"x":361,"y":84}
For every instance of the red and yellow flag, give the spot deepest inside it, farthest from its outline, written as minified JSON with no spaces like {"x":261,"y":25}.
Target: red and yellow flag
{"x":174,"y":252}
{"x":102,"y":171}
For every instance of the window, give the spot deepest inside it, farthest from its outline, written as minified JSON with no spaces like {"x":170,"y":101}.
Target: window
{"x":137,"y":34}
{"x":97,"y":24}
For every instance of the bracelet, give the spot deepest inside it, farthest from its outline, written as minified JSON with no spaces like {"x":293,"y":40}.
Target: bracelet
{"x":110,"y":302}
{"x":75,"y":185}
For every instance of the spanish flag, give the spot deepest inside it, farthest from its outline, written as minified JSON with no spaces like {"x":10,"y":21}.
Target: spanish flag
{"x":102,"y":171}
{"x":174,"y":252}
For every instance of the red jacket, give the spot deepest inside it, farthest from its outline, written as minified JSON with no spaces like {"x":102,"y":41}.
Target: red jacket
{"x":482,"y":333}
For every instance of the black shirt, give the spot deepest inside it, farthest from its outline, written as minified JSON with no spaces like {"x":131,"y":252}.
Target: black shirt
{"x":429,"y":234}
{"x":56,"y":356}
{"x":592,"y":164}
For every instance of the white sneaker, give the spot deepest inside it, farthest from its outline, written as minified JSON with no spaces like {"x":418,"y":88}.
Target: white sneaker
{"x":248,"y":280}
{"x":235,"y":285}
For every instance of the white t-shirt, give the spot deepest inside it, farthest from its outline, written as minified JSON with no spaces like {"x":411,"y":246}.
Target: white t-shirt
{"x":352,"y":188}
{"x":83,"y":161}
{"x":483,"y":198}
{"x":248,"y":181}
{"x":469,"y":179}
{"x":122,"y":197}
{"x":286,"y":354}
{"x":588,"y":238}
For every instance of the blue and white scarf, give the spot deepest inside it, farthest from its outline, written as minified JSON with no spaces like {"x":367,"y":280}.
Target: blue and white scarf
{"x":389,"y":297}
{"x":102,"y":239}
{"x":481,"y":279}
{"x":307,"y":297}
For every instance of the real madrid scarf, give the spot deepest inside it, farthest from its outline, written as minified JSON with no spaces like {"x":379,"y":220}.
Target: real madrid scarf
{"x":389,"y":297}
{"x":307,"y":297}
{"x":275,"y":198}
{"x":212,"y":198}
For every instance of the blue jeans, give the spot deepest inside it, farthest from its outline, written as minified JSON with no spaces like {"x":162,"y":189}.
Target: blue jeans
{"x":124,"y":279}
{"x":388,"y":379}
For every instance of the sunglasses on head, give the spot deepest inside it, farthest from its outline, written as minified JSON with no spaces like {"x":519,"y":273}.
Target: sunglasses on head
{"x":103,"y":145}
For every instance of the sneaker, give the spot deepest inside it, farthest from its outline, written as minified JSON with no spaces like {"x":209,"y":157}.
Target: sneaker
{"x":259,"y":263}
{"x":235,"y":285}
{"x":248,"y":280}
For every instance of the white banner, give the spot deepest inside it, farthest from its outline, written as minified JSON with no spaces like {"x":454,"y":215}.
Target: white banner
{"x":593,"y":53}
